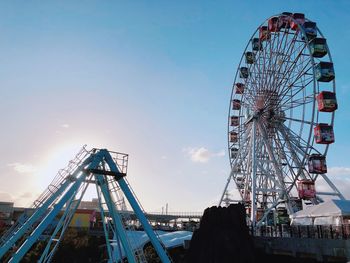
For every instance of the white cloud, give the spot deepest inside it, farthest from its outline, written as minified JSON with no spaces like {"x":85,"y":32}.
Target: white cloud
{"x":220,"y":154}
{"x":24,"y":199}
{"x":202,"y":154}
{"x":65,"y":125}
{"x":340,"y":177}
{"x":6,"y":197}
{"x":22,"y":168}
{"x":26,"y":195}
{"x":336,"y":171}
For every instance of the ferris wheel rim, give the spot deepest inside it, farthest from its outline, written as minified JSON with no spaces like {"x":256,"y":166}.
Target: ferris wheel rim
{"x":283,"y":116}
{"x":315,"y":83}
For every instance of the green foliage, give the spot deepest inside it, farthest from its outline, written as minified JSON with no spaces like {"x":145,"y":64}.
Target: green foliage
{"x":34,"y":254}
{"x":151,"y":254}
{"x":78,"y":246}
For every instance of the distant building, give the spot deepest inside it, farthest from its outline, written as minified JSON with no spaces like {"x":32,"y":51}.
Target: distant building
{"x":6,"y":213}
{"x":92,"y":205}
{"x":83,"y":218}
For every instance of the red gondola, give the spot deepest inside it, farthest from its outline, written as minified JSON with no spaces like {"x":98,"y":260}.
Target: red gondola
{"x":324,"y":133}
{"x":317,"y":164}
{"x":239,"y":88}
{"x":298,"y":18}
{"x":259,"y":213}
{"x":306,"y":189}
{"x":327,"y":101}
{"x":246,"y":199}
{"x":284,"y":20}
{"x":273,"y":24}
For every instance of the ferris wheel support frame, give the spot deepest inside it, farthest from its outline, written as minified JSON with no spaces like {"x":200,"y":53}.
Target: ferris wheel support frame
{"x":270,"y":131}
{"x":254,"y":169}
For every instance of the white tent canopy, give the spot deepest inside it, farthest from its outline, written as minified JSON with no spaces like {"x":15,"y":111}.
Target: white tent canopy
{"x":168,"y":239}
{"x":328,"y":212}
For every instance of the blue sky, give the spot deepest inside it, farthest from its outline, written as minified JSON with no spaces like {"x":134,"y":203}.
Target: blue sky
{"x":149,"y":78}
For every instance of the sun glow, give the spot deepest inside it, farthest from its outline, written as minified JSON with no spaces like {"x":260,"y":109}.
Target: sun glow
{"x":58,"y":159}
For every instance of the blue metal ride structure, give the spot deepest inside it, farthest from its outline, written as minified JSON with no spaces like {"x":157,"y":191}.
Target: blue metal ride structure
{"x":105,"y":169}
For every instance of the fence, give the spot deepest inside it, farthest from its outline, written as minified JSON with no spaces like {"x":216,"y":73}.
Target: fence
{"x":304,"y":231}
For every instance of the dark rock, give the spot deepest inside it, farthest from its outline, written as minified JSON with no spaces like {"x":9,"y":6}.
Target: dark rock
{"x":223,"y":237}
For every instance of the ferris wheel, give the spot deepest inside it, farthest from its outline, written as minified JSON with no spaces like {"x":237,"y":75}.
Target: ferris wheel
{"x":281,"y":118}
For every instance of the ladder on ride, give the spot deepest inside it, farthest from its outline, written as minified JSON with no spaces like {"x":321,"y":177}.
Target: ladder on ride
{"x":63,"y":196}
{"x":61,"y":176}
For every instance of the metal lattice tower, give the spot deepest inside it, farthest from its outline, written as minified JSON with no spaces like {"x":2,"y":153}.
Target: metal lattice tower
{"x":105,"y":169}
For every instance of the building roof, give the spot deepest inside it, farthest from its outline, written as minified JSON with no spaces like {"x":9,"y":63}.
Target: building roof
{"x":327,"y":208}
{"x":85,"y":211}
{"x":169,"y":239}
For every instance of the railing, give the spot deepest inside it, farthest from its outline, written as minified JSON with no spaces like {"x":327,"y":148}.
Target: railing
{"x":61,"y":176}
{"x":121,"y":160}
{"x":301,"y":231}
{"x":178,"y":214}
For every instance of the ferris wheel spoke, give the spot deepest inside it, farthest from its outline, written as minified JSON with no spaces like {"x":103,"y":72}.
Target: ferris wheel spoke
{"x":294,"y":81}
{"x":287,"y":63}
{"x":291,"y":78}
{"x":297,"y":99}
{"x":285,"y":158}
{"x":270,"y":176}
{"x":293,"y":162}
{"x":300,"y":120}
{"x":269,"y":66}
{"x":248,"y":98}
{"x":300,"y":86}
{"x":285,"y":75}
{"x":298,"y":102}
{"x":259,"y":68}
{"x":270,"y":152}
{"x":300,"y":145}
{"x":296,"y":149}
{"x":281,"y":73}
{"x":299,"y":162}
{"x":276,"y":74}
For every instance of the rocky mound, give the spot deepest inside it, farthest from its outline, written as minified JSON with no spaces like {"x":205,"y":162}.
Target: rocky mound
{"x":223,"y":236}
